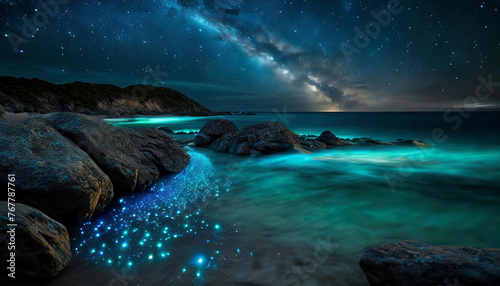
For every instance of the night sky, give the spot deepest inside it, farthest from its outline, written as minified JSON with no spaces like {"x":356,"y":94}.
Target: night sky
{"x":261,"y":55}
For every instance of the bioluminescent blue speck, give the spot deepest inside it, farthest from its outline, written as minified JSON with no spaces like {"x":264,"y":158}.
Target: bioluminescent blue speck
{"x":141,"y":228}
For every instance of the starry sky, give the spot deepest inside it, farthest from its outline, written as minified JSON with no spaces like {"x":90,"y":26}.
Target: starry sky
{"x":264,"y":55}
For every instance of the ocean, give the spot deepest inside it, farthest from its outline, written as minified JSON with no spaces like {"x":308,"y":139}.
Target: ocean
{"x":299,"y":218}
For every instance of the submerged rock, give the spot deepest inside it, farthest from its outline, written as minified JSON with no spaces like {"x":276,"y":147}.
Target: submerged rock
{"x":214,"y":130}
{"x":415,"y":263}
{"x":132,"y":158}
{"x":54,"y":175}
{"x":166,"y":129}
{"x":42,"y":247}
{"x":328,"y":138}
{"x":264,"y":137}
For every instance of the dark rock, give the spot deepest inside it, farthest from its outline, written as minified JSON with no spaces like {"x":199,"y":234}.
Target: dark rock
{"x":132,"y":158}
{"x":348,"y":143}
{"x":42,"y":245}
{"x":265,"y":137}
{"x":56,"y":176}
{"x":202,"y":139}
{"x":218,"y":128}
{"x":255,"y":154}
{"x":313,"y":143}
{"x":184,"y":142}
{"x":317,"y":144}
{"x":181,"y":133}
{"x":328,"y":138}
{"x":214,"y":130}
{"x":415,"y":263}
{"x":166,"y":130}
{"x":2,"y":113}
{"x":410,"y":142}
{"x":378,"y":142}
{"x":223,"y":143}
{"x":248,"y":113}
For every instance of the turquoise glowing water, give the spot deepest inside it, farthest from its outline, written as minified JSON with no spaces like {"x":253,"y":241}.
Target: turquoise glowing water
{"x":280,"y":208}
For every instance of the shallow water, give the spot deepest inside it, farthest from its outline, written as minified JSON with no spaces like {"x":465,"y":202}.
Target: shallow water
{"x":274,"y":213}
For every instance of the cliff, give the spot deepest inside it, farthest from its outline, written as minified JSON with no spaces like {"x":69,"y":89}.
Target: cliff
{"x":35,"y":95}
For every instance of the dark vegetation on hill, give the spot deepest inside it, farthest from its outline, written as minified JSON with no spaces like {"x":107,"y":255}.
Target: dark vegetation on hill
{"x":35,"y":95}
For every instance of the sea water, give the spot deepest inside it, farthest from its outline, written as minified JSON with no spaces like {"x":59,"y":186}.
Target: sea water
{"x":265,"y":220}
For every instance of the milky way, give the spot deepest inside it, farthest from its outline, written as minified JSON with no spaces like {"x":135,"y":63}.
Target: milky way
{"x":264,"y":55}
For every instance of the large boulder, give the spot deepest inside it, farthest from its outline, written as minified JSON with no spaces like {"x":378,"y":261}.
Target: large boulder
{"x":328,"y":138}
{"x":132,"y":158}
{"x":214,"y":130}
{"x":54,"y":175}
{"x":264,"y":137}
{"x":415,"y":263}
{"x":42,"y":247}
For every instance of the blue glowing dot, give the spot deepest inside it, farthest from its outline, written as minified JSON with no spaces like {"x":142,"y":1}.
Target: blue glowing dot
{"x":183,"y":270}
{"x":198,"y":274}
{"x":121,"y":200}
{"x":217,"y":226}
{"x":200,"y":260}
{"x":237,"y":250}
{"x":101,"y":253}
{"x":159,"y":244}
{"x":217,"y":251}
{"x":148,"y":234}
{"x":109,"y":261}
{"x":97,"y":235}
{"x":150,"y":257}
{"x":6,"y":35}
{"x":130,"y":263}
{"x":163,"y":255}
{"x":104,"y":244}
{"x":141,"y":243}
{"x":124,"y":244}
{"x":92,"y":251}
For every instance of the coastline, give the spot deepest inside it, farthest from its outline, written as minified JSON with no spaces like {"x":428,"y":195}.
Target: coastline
{"x":282,"y":141}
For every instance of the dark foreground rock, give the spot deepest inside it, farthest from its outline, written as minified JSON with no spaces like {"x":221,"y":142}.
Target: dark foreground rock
{"x":42,"y":246}
{"x":415,"y":263}
{"x":54,"y":175}
{"x":213,"y":130}
{"x":132,"y":158}
{"x":261,"y":138}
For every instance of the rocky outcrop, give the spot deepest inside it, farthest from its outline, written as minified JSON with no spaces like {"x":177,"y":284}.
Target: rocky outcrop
{"x":328,"y":138}
{"x":265,"y":137}
{"x":55,"y":176}
{"x":415,"y":263}
{"x":42,"y":247}
{"x":132,"y":158}
{"x":34,"y":95}
{"x":213,"y":130}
